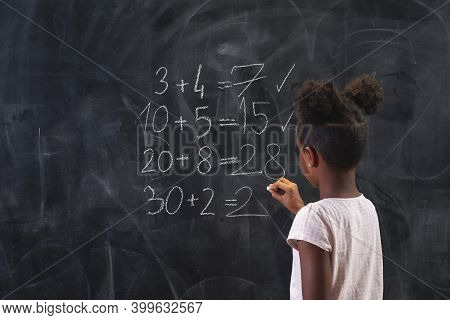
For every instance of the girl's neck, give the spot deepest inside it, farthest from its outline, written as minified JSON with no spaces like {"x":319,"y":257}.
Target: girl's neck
{"x":338,"y":184}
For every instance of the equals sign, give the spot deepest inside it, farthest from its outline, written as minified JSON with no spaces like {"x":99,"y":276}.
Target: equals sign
{"x":224,"y":161}
{"x":231,"y":202}
{"x":227,"y":122}
{"x":222,"y":85}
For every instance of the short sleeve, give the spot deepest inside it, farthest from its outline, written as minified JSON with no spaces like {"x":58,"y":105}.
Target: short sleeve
{"x":311,"y":226}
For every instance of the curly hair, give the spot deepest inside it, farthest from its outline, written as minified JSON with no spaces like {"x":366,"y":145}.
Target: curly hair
{"x":333,"y":121}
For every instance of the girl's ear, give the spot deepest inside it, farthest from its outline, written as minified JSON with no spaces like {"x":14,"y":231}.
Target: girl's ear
{"x":311,"y":157}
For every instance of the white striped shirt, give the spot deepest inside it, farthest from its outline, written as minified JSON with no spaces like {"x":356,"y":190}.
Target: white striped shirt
{"x":348,"y":229}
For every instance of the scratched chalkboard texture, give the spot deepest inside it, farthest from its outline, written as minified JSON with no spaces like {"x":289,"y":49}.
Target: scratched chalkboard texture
{"x":104,"y":196}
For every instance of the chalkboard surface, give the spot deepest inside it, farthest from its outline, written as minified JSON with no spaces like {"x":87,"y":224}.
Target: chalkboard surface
{"x":138,"y":137}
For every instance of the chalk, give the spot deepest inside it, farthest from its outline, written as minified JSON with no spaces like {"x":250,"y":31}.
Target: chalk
{"x":278,"y":190}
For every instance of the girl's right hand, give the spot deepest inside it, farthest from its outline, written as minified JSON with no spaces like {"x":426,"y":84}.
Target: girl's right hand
{"x":286,"y":192}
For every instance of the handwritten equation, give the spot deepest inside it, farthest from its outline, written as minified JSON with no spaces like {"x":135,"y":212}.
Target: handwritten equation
{"x":175,"y":199}
{"x":164,"y":161}
{"x":198,"y":87}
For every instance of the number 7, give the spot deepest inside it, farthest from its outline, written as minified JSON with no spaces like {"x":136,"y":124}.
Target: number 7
{"x":249,"y":82}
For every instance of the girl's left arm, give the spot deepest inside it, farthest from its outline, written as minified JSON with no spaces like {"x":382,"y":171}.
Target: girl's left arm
{"x":315,"y":270}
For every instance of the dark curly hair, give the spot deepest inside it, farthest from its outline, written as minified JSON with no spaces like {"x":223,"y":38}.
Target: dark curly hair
{"x":333,"y":121}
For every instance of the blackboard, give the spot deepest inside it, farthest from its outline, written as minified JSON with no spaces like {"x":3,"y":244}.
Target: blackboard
{"x":94,"y":95}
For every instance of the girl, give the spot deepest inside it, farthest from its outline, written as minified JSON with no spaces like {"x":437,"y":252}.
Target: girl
{"x":335,"y":241}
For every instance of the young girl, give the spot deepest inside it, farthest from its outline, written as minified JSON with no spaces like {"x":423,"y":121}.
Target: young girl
{"x":336,"y":240}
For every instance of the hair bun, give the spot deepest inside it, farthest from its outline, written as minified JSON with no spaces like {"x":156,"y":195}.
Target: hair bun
{"x":366,"y":92}
{"x":317,"y":100}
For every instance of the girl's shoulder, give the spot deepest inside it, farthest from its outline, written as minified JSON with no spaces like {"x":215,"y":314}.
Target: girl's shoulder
{"x":342,"y":202}
{"x":332,"y":207}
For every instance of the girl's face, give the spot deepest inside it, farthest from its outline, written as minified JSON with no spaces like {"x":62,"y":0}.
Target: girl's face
{"x":308,"y":163}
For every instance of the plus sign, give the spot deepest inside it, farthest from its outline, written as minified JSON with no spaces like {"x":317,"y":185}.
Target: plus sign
{"x":182,"y":84}
{"x":182,"y":159}
{"x":192,"y":199}
{"x":180,"y":121}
